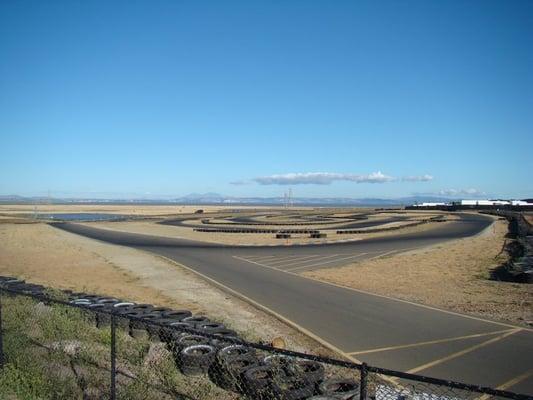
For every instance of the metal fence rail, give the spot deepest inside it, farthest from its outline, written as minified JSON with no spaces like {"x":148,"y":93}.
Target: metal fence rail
{"x":54,"y":345}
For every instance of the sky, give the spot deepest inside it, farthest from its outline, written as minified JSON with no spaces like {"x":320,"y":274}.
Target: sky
{"x":249,"y":98}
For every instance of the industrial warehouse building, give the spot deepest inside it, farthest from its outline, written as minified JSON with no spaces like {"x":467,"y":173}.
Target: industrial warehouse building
{"x":515,"y":205}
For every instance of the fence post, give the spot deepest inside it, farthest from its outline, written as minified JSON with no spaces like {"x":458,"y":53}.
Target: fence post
{"x":113,"y":357}
{"x":363,"y":383}
{"x":1,"y":335}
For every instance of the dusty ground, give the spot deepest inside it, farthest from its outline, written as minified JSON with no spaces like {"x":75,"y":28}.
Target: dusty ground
{"x":529,"y":218}
{"x":14,"y":219}
{"x":452,"y":276}
{"x":42,"y":254}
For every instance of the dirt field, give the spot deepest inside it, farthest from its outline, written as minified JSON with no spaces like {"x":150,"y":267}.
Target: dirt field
{"x":452,"y":276}
{"x":42,"y":254}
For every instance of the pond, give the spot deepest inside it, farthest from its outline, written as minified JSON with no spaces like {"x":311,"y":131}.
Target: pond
{"x":82,"y":217}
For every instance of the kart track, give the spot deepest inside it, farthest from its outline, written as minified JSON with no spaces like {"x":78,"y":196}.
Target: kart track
{"x":379,"y":330}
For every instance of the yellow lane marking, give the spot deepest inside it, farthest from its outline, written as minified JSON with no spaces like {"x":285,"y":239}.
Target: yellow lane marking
{"x":257,"y":263}
{"x":407,"y":301}
{"x":388,"y":297}
{"x":463,"y":352}
{"x":325,"y":262}
{"x":405,"y":346}
{"x":259,"y":258}
{"x":275,"y":258}
{"x":510,"y":383}
{"x":272,"y":259}
{"x":303,"y":260}
{"x":294,"y":259}
{"x":260,"y":306}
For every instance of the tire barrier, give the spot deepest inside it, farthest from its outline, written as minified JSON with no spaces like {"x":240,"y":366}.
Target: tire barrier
{"x":519,"y":267}
{"x":290,"y":231}
{"x":318,"y":235}
{"x":235,"y":230}
{"x":270,"y":223}
{"x":206,"y":350}
{"x":283,"y":236}
{"x":343,"y":225}
{"x":196,"y":359}
{"x":299,"y":231}
{"x":200,"y":346}
{"x":340,"y":388}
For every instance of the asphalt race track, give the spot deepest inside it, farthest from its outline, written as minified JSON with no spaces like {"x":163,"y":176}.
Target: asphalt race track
{"x":378,"y":330}
{"x":237,"y":222}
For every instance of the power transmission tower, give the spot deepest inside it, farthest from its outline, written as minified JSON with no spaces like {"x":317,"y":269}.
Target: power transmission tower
{"x":290,"y":197}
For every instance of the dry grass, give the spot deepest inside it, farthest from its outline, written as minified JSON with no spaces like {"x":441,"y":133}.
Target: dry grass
{"x":45,"y":255}
{"x":452,"y":276}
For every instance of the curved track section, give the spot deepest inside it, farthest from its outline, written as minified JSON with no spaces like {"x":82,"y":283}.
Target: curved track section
{"x":376,"y":329}
{"x":319,"y":222}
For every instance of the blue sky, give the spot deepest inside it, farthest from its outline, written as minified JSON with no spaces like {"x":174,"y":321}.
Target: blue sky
{"x":331,"y":98}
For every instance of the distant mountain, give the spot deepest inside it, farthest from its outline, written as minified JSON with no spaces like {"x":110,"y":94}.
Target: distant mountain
{"x":11,"y":197}
{"x":202,"y":198}
{"x":216,"y":198}
{"x":14,"y":199}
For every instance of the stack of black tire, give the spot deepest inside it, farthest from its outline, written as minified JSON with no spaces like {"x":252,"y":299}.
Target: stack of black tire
{"x":204,"y":347}
{"x":520,"y":266}
{"x":21,"y":286}
{"x":287,"y":378}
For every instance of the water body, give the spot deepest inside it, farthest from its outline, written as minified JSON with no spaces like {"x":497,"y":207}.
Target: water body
{"x":82,"y":217}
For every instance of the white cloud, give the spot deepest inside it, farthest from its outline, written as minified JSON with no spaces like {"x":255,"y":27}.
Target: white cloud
{"x":321,"y":178}
{"x":418,"y":178}
{"x":326,"y":178}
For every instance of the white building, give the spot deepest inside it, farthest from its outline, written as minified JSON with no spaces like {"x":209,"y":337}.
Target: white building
{"x":521,"y":203}
{"x":484,"y":202}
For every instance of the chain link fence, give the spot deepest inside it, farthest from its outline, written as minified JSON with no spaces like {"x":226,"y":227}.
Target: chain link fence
{"x":64,"y":345}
